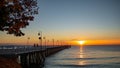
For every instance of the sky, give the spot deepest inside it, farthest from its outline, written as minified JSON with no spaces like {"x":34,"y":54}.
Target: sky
{"x":95,"y":21}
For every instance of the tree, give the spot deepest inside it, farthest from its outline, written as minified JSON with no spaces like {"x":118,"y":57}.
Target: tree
{"x":16,"y":14}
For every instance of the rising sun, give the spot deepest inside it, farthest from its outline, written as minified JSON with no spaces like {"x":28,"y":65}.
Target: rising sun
{"x":81,"y":42}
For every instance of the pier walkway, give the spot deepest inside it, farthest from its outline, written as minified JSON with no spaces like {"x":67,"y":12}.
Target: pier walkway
{"x":30,"y":56}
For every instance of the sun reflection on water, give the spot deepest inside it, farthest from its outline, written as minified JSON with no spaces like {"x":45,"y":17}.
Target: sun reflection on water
{"x":81,"y":55}
{"x":81,"y":52}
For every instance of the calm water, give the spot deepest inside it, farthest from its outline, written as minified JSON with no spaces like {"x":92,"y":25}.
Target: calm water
{"x":86,"y":57}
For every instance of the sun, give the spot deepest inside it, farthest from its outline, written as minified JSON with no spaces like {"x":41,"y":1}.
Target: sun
{"x":81,"y":42}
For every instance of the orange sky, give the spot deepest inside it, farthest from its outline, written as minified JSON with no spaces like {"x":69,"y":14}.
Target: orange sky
{"x":97,"y":42}
{"x":4,"y":38}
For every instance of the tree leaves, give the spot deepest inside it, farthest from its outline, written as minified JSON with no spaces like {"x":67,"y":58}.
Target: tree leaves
{"x":16,"y":14}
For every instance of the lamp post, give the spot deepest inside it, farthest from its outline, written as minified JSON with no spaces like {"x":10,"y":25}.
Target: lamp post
{"x":47,"y":42}
{"x":44,"y":41}
{"x":58,"y":42}
{"x":53,"y":42}
{"x":40,"y":37}
{"x":28,"y":40}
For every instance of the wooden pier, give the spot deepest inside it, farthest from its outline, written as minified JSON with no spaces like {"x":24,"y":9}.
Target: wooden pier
{"x":30,"y":57}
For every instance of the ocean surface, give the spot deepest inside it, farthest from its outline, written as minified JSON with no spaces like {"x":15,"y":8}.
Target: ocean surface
{"x":85,"y":57}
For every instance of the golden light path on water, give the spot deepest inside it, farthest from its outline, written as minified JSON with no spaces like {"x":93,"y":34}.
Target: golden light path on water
{"x":81,"y":55}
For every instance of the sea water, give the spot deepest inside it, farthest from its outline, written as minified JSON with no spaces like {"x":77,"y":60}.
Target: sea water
{"x":85,"y":57}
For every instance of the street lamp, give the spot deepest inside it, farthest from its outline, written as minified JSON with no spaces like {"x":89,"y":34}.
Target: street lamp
{"x":53,"y":42}
{"x":28,"y":40}
{"x":40,"y":37}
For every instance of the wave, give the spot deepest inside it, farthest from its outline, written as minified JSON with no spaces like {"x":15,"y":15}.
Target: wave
{"x":89,"y":58}
{"x":79,"y":65}
{"x":90,"y":66}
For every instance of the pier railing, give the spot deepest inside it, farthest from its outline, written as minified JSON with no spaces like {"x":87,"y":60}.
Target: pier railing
{"x":30,"y":56}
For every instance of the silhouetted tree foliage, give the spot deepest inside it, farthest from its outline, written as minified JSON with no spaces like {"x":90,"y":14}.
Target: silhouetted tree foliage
{"x":16,"y":14}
